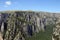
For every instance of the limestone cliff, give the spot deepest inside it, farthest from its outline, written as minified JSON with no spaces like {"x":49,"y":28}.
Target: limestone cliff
{"x":20,"y":24}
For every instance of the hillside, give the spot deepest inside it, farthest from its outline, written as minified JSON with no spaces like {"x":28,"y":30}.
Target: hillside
{"x":24,"y":24}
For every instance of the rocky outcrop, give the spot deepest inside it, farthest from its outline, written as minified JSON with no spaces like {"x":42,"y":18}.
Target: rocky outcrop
{"x":56,"y":31}
{"x":23,"y":23}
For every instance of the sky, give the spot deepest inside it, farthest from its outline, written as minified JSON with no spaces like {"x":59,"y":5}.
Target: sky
{"x":35,"y":5}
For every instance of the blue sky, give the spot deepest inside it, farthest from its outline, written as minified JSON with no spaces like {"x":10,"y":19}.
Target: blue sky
{"x":36,"y":5}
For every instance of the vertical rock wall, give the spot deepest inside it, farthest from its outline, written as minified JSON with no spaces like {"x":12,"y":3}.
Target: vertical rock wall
{"x":22,"y":24}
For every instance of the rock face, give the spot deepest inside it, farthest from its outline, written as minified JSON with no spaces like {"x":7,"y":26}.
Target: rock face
{"x":23,"y":23}
{"x":56,"y":31}
{"x":1,"y":38}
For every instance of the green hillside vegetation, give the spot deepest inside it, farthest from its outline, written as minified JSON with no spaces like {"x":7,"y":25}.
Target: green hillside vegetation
{"x":47,"y":35}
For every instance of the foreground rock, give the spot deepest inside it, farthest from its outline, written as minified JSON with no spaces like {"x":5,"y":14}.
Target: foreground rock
{"x":56,"y":31}
{"x":1,"y":38}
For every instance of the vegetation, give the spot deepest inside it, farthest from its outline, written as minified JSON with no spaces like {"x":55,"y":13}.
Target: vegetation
{"x":47,"y":35}
{"x":13,"y":31}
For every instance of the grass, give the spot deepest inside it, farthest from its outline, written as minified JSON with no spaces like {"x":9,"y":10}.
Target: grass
{"x":47,"y":35}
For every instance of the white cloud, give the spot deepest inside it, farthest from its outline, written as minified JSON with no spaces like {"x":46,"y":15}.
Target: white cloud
{"x":8,"y":3}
